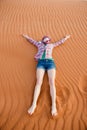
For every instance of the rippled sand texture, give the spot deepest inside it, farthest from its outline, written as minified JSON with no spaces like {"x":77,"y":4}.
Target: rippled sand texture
{"x":17,"y":65}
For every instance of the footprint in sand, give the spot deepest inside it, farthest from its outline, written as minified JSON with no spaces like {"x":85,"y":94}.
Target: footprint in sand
{"x":62,"y":96}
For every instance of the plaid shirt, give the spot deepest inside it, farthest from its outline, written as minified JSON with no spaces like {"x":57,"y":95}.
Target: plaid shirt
{"x":48,"y":48}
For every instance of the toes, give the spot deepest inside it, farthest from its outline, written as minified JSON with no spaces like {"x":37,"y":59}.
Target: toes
{"x":54,"y":112}
{"x":31,"y":110}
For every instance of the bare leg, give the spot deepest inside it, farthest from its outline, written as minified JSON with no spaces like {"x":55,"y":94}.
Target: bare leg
{"x":39,"y":76}
{"x":51,"y":76}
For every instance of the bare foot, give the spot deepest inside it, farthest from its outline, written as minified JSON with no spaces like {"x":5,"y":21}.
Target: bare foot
{"x":31,"y":109}
{"x":54,"y":112}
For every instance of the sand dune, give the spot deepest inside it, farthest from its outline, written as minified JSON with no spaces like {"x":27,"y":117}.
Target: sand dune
{"x":17,"y":66}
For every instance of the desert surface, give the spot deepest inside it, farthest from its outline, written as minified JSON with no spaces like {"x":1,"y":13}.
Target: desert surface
{"x":37,"y":18}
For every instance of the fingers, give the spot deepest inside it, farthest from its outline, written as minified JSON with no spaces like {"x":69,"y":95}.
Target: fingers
{"x":25,"y":36}
{"x":67,"y":36}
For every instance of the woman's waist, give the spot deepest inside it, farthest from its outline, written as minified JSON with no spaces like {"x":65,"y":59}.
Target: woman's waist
{"x":46,"y":59}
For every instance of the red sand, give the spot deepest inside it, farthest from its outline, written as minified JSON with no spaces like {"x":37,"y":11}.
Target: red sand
{"x":17,"y":66}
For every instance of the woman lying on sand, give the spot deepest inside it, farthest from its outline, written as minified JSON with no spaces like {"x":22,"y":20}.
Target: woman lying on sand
{"x":45,"y":63}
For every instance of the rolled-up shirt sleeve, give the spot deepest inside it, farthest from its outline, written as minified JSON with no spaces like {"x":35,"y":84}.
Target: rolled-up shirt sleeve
{"x":59,"y":42}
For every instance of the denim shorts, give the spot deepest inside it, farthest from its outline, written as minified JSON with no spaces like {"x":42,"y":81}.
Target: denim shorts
{"x":46,"y":64}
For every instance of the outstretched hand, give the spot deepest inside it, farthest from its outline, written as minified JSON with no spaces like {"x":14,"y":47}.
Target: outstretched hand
{"x":25,"y":36}
{"x":67,"y":36}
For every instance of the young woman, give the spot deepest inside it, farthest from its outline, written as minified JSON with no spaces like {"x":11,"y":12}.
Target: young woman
{"x":45,"y":63}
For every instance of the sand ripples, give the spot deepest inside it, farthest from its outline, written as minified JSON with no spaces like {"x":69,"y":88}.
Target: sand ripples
{"x":17,"y":69}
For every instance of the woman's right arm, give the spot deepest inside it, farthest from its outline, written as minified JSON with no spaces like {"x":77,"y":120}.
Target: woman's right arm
{"x":30,"y":40}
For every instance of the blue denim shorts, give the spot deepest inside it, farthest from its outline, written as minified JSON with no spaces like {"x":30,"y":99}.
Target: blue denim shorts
{"x":46,"y":64}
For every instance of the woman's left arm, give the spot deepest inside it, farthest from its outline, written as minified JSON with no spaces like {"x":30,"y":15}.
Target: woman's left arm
{"x":61,"y":41}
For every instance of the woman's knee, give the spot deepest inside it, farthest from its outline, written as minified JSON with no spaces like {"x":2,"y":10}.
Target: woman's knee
{"x":39,"y":82}
{"x":51,"y":82}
